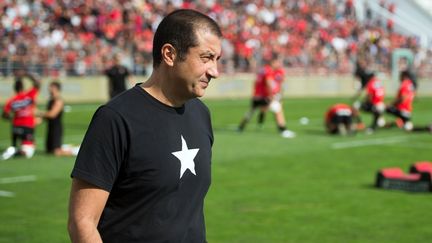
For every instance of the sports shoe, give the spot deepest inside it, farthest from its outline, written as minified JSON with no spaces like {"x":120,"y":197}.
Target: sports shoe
{"x":288,"y":134}
{"x":8,"y":153}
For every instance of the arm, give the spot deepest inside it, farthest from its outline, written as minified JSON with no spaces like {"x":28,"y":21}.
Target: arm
{"x":269,"y":87}
{"x":55,"y":110}
{"x":85,"y":208}
{"x":397,"y":100}
{"x":6,"y":111}
{"x":357,"y":95}
{"x":36,"y":82}
{"x":6,"y":115}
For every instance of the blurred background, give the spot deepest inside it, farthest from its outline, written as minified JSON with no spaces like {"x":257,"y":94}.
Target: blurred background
{"x":312,"y":188}
{"x":319,"y":40}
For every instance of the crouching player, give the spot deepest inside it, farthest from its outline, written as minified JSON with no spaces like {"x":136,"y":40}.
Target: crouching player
{"x":339,"y":119}
{"x":21,"y":110}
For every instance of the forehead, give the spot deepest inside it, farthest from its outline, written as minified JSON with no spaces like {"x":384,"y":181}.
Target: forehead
{"x":208,"y":42}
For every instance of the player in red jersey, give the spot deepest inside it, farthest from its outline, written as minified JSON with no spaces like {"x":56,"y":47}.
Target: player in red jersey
{"x":262,"y":95}
{"x":21,"y":110}
{"x":402,"y":105}
{"x":267,"y":95}
{"x":374,"y":102}
{"x":275,"y":105}
{"x":340,"y":119}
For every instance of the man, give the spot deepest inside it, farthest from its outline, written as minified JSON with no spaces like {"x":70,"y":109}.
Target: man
{"x":117,"y":77}
{"x":339,"y":119}
{"x":362,"y":75}
{"x":54,"y":118}
{"x":267,"y":95}
{"x":402,"y":105}
{"x":21,"y":109}
{"x":143,"y":168}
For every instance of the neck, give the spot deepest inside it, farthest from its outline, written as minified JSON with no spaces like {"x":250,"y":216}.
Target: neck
{"x":161,"y":88}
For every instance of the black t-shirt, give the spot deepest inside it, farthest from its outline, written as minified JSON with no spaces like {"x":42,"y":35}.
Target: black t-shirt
{"x":363,"y":75}
{"x":117,"y":75}
{"x":155,"y":162}
{"x":54,"y":129}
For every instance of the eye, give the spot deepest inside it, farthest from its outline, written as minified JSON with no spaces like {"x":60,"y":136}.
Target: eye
{"x":206,"y":58}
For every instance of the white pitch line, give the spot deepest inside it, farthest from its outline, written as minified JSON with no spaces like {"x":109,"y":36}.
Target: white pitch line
{"x":17,"y":179}
{"x":368,"y":142}
{"x":5,"y":143}
{"x":6,"y":194}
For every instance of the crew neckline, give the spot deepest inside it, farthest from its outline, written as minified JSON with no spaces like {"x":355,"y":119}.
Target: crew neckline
{"x":158,"y":103}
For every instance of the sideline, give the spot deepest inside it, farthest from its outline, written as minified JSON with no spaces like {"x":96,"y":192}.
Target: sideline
{"x":5,"y":143}
{"x":6,"y":194}
{"x":17,"y":179}
{"x":368,"y":142}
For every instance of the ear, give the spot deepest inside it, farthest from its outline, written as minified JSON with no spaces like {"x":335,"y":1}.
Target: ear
{"x":169,"y":54}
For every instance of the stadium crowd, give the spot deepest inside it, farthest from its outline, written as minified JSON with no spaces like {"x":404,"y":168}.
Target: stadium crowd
{"x":65,"y":37}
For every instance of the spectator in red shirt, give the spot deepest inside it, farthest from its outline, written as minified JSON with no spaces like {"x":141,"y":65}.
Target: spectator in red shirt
{"x":21,"y":109}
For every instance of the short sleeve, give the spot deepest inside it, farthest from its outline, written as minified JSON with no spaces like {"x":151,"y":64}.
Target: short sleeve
{"x":33,"y":92}
{"x":103,"y":149}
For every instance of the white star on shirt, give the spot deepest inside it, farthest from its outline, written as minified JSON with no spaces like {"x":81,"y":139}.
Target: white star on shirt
{"x":186,"y":157}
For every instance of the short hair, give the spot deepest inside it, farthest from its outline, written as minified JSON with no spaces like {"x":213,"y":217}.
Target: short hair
{"x":370,"y":75}
{"x":56,"y":84}
{"x":18,"y":85}
{"x":179,"y":29}
{"x":405,"y":74}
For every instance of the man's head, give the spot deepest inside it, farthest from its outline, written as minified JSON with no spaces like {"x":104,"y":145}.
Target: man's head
{"x":405,"y":74}
{"x":370,"y":75}
{"x":54,"y":87}
{"x":18,"y":85}
{"x":276,"y":61}
{"x":187,"y":48}
{"x":179,"y":29}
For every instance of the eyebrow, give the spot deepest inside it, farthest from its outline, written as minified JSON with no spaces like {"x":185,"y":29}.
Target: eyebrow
{"x":210,"y":53}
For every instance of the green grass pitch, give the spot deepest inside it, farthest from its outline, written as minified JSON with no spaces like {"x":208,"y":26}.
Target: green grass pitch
{"x":313,"y":188}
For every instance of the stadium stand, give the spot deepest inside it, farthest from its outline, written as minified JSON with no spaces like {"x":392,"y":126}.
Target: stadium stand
{"x":75,"y":38}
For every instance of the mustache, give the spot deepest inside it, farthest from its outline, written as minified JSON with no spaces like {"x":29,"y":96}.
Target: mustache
{"x":207,"y":80}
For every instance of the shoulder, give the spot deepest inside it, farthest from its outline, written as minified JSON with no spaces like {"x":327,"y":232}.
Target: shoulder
{"x":197,"y":109}
{"x":198,"y":104}
{"x":105,"y":113}
{"x":126,"y":99}
{"x":33,"y":91}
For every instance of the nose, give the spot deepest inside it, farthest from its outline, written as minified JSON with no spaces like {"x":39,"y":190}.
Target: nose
{"x":213,"y":71}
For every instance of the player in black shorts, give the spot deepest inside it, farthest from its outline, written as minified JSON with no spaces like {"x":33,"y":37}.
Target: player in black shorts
{"x":21,"y":109}
{"x":143,"y":168}
{"x":340,"y":119}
